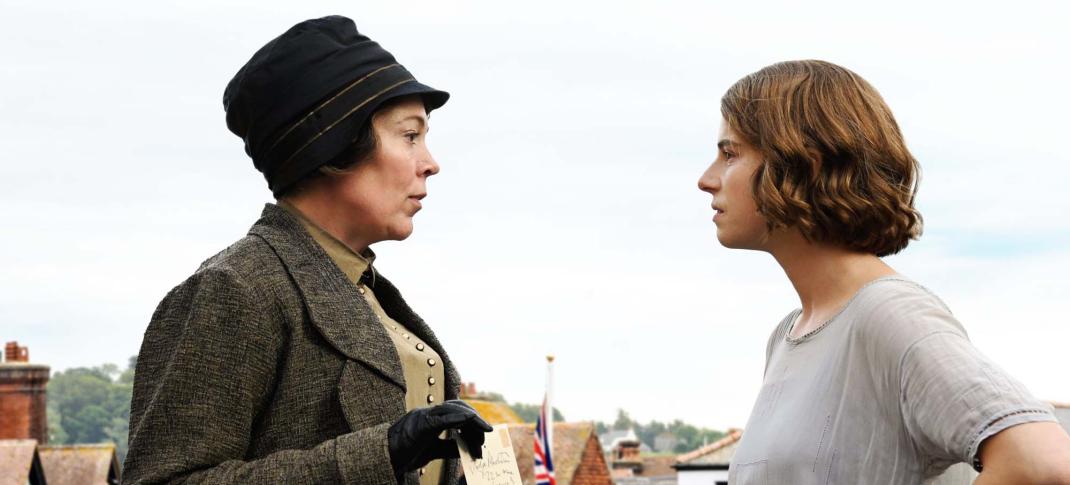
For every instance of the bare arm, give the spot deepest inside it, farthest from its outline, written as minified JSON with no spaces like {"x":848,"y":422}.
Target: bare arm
{"x":1030,"y":453}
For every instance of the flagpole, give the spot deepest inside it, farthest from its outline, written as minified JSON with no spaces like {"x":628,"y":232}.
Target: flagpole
{"x":544,"y":429}
{"x":549,"y":404}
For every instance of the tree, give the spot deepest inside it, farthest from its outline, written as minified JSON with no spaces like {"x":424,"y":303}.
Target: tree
{"x":649,"y":433}
{"x":56,"y":433}
{"x":91,"y":405}
{"x":530,"y":412}
{"x":688,"y":437}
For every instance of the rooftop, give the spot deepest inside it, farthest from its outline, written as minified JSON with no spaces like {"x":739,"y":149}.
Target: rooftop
{"x":716,"y":454}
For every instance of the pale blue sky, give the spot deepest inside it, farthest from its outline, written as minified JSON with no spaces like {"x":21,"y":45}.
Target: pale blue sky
{"x":566,"y":217}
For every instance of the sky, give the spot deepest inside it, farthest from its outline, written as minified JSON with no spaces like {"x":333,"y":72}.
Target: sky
{"x":566,"y":218}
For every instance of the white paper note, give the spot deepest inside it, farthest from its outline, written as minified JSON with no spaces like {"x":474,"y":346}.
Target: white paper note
{"x":498,"y":465}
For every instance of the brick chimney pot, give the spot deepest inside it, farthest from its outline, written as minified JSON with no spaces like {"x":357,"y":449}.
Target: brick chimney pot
{"x":23,"y":402}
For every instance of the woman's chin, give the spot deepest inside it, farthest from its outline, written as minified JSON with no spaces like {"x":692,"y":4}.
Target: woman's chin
{"x":401,"y":232}
{"x":730,"y":242}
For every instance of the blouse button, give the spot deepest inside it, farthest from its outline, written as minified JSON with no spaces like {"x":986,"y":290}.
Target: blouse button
{"x":430,"y":399}
{"x":420,"y":347}
{"x":431,"y":362}
{"x":360,"y":289}
{"x":431,"y":381}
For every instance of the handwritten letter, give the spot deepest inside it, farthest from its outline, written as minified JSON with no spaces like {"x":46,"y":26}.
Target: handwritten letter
{"x":498,"y":466}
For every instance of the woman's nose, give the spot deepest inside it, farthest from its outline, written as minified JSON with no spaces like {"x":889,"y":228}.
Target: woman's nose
{"x":709,"y":181}
{"x":430,"y":166}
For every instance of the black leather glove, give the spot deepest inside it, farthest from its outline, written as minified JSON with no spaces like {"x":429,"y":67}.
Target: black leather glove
{"x":414,"y":439}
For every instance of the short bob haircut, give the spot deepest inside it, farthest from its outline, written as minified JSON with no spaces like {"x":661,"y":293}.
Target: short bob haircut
{"x":834,"y":161}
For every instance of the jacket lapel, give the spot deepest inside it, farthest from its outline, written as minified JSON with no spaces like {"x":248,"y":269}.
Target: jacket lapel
{"x":395,"y":306}
{"x":337,"y":311}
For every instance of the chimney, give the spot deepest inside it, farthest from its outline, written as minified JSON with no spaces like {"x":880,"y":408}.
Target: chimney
{"x":468,"y":390}
{"x":22,"y":396}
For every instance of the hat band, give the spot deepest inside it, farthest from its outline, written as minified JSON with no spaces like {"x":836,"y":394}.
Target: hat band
{"x":336,"y":109}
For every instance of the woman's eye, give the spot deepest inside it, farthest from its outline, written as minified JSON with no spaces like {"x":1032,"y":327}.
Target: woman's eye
{"x":412,"y":137}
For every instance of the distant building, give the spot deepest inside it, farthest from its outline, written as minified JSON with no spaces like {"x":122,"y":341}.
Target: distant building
{"x":23,"y":405}
{"x":651,"y":470}
{"x":611,"y":440}
{"x":24,"y":456}
{"x":665,"y":442}
{"x":80,"y":464}
{"x":630,"y":464}
{"x":494,"y":412}
{"x":708,"y":465}
{"x":20,"y":463}
{"x":577,"y":455}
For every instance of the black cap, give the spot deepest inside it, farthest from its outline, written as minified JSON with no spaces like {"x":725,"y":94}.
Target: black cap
{"x":301,"y":99}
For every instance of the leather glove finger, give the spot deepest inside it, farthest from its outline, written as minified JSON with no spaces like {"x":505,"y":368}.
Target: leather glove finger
{"x":473,"y":437}
{"x":441,"y":449}
{"x":413,"y":433}
{"x":456,"y":414}
{"x":472,"y":429}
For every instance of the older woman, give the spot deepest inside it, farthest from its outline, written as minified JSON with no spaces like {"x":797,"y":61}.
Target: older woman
{"x":287,"y":358}
{"x":872,"y":380}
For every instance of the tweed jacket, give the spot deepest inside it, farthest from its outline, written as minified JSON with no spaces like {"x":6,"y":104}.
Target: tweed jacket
{"x":267,"y":366}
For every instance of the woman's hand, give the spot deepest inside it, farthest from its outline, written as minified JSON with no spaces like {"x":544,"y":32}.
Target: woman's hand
{"x":414,"y":438}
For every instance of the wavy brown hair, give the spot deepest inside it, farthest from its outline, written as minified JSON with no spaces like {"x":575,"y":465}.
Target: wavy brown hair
{"x":834,"y":161}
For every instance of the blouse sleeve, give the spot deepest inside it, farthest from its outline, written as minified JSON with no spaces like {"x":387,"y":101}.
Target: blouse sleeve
{"x":951,"y":396}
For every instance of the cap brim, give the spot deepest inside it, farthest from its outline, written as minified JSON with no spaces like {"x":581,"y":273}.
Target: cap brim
{"x":433,"y":98}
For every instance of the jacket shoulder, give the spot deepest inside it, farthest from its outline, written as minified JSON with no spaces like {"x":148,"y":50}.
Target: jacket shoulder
{"x":247,"y":257}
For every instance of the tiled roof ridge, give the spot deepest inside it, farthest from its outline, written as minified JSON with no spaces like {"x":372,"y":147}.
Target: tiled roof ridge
{"x":79,"y":446}
{"x":563,"y":424}
{"x":733,"y":436}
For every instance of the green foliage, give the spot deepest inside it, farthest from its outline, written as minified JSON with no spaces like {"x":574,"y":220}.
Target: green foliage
{"x":649,"y":433}
{"x":530,"y":412}
{"x":691,"y":437}
{"x":492,"y":397}
{"x":687,"y":437}
{"x":56,"y":433}
{"x":91,"y":405}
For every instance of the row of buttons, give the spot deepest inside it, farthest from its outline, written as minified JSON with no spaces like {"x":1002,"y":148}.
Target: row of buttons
{"x":420,"y":347}
{"x":430,"y":379}
{"x":430,"y":363}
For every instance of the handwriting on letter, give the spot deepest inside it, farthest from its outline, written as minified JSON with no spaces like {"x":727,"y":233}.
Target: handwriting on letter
{"x":498,"y":466}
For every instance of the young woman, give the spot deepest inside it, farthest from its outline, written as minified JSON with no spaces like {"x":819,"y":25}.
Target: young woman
{"x":872,"y":380}
{"x":286,"y":358}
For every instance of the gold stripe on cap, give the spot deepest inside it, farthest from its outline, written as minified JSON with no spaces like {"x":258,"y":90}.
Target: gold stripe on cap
{"x":325,"y":103}
{"x":344,"y":116}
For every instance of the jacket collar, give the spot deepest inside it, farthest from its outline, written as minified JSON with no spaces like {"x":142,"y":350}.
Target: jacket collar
{"x":335,"y":307}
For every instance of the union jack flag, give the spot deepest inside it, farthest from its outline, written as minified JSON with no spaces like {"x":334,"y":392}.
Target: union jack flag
{"x":544,"y":463}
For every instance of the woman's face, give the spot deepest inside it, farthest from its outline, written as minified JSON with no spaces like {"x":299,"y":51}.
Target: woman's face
{"x":380,"y":195}
{"x":729,"y":181}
